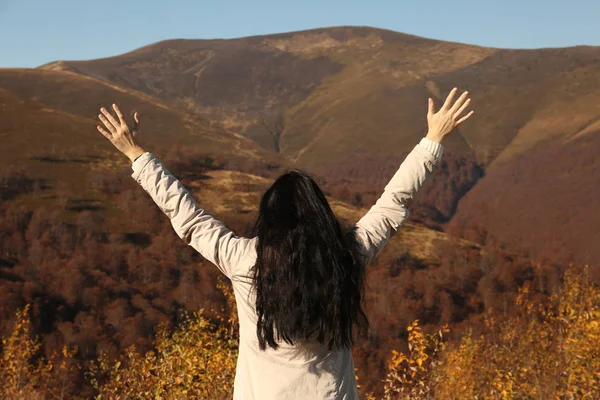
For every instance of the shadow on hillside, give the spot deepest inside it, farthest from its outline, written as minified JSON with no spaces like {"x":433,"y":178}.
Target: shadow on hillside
{"x":192,"y":176}
{"x":405,"y":261}
{"x":138,"y":238}
{"x":15,"y":182}
{"x":79,"y":205}
{"x":6,"y":263}
{"x":10,"y":277}
{"x":65,"y":159}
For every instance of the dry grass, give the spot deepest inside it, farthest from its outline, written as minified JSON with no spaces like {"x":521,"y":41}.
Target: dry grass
{"x":237,"y":192}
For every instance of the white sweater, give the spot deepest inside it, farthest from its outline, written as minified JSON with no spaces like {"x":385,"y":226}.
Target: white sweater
{"x":304,"y":370}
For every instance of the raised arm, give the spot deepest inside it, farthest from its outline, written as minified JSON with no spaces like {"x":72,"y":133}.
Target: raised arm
{"x":390,"y":211}
{"x":209,"y":236}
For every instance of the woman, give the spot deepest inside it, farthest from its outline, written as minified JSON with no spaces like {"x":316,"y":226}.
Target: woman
{"x":298,"y":282}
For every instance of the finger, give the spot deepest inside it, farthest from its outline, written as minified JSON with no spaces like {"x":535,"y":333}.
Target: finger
{"x":136,"y":120}
{"x":107,"y":124}
{"x":459,"y":102}
{"x":463,"y":119}
{"x":462,"y":109}
{"x":119,"y":114}
{"x":109,"y":116}
{"x":103,"y":131}
{"x":449,"y":99}
{"x":431,"y":108}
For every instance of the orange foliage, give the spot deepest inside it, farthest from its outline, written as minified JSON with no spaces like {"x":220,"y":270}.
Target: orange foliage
{"x":197,"y":360}
{"x":548,"y":350}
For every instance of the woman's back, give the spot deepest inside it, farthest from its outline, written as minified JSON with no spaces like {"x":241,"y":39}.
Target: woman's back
{"x":304,"y":370}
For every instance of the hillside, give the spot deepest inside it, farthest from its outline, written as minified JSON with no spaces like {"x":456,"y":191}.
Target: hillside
{"x":349,"y":102}
{"x":549,"y":202}
{"x":47,"y":128}
{"x":336,"y":91}
{"x":82,"y":96}
{"x":267,"y":87}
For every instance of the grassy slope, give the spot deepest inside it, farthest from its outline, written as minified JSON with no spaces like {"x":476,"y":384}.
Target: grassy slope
{"x":238,"y":192}
{"x":48,"y":131}
{"x":83,"y":96}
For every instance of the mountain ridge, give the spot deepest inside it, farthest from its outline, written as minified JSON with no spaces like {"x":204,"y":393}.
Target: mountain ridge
{"x":276,"y":128}
{"x":346,"y":103}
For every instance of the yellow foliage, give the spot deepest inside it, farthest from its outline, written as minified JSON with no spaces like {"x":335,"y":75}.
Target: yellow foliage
{"x":24,"y":377}
{"x":410,"y":375}
{"x":549,"y":350}
{"x":197,"y":360}
{"x":232,"y":315}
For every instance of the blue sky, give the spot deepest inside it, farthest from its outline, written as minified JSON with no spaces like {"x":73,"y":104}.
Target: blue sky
{"x":34,"y":32}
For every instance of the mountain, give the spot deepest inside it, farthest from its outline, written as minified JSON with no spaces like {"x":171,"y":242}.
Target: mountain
{"x":339,"y":90}
{"x":349,"y":102}
{"x":295,"y":93}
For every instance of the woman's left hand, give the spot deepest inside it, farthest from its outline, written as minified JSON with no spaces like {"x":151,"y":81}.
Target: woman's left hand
{"x":119,"y":134}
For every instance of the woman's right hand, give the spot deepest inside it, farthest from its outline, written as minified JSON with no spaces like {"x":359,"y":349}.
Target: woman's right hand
{"x":448,"y":117}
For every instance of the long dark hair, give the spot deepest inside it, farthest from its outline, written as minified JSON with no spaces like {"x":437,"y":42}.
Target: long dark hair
{"x":308,"y":275}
